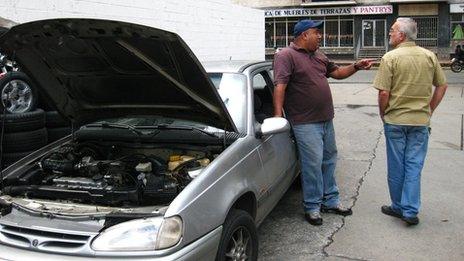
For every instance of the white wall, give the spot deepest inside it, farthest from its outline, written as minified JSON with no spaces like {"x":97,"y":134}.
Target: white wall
{"x":214,"y":29}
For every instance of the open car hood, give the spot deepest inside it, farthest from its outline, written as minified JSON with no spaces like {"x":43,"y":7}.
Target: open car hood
{"x":99,"y":69}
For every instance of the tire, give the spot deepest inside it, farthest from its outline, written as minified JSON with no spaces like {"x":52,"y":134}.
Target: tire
{"x":17,"y":93}
{"x":57,"y":133}
{"x":24,"y":141}
{"x":54,"y":120}
{"x":456,"y":67}
{"x":21,"y":122}
{"x":238,"y":227}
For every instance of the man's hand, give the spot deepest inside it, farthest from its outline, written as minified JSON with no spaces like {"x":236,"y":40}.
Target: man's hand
{"x":364,"y":64}
{"x":348,"y":70}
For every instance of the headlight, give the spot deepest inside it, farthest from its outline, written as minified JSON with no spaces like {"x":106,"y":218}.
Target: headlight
{"x":140,"y":235}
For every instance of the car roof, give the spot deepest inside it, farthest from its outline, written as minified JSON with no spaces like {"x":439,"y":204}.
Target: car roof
{"x":234,"y":66}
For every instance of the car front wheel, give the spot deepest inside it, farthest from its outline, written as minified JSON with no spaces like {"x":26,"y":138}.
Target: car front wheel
{"x":239,"y":241}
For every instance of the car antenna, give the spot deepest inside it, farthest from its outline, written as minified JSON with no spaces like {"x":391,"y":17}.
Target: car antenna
{"x":1,"y":147}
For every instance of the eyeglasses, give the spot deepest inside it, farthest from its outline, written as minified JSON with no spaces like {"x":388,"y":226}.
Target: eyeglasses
{"x":393,"y":30}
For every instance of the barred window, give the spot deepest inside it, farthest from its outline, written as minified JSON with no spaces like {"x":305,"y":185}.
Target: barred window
{"x":331,"y":33}
{"x":290,"y":26}
{"x":280,"y":34}
{"x":427,"y":31}
{"x":337,"y":32}
{"x":269,"y":34}
{"x":346,"y":33}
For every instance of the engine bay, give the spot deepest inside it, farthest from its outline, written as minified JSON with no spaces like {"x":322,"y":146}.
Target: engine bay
{"x":108,"y":174}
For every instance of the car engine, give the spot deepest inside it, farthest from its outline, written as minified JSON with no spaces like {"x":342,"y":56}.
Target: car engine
{"x":110,"y":175}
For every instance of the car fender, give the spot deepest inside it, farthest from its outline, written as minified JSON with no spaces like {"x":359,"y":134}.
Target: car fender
{"x":205,"y":202}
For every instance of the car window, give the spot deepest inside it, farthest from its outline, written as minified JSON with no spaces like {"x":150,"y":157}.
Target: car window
{"x":262,"y":96}
{"x":232,"y":89}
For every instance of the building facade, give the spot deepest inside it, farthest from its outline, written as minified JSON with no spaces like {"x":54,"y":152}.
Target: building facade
{"x":213,"y":29}
{"x":359,"y":28}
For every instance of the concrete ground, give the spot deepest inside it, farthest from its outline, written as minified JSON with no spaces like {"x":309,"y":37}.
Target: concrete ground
{"x":361,"y":175}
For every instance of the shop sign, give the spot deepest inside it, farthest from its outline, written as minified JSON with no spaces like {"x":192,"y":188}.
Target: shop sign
{"x":329,"y":11}
{"x":456,"y":8}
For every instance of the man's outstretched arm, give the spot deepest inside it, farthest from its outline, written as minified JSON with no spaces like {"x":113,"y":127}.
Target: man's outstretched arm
{"x":346,"y":71}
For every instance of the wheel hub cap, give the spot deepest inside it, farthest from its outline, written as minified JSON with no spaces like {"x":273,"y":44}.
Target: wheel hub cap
{"x":17,"y":96}
{"x":239,"y":246}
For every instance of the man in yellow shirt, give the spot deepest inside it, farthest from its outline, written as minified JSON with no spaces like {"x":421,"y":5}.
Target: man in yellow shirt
{"x":406,"y":103}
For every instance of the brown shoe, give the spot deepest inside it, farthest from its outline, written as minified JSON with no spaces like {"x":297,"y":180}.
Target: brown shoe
{"x":339,"y":210}
{"x":314,"y":218}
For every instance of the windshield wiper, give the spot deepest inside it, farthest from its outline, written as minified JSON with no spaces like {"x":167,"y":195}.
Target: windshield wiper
{"x":156,"y":127}
{"x":190,"y":128}
{"x":117,"y":126}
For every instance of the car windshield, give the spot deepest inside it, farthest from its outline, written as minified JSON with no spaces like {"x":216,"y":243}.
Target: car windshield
{"x":232,"y":89}
{"x":230,"y":86}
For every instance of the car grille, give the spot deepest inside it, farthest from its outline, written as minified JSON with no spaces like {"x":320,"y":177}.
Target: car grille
{"x":44,"y":240}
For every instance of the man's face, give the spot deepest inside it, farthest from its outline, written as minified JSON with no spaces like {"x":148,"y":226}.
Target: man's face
{"x":396,"y":37}
{"x":312,"y":39}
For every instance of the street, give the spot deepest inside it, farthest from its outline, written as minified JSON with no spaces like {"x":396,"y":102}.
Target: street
{"x":361,"y":176}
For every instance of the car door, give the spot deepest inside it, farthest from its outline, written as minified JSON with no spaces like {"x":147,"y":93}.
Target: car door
{"x":277,"y":151}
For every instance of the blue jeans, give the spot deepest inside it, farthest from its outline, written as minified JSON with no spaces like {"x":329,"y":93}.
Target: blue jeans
{"x":318,"y":157}
{"x":406,"y":150}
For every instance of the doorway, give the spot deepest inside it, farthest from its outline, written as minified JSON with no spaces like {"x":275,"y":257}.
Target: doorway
{"x":374,"y":33}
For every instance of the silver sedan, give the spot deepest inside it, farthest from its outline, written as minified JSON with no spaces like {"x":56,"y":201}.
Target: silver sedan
{"x":168,"y":160}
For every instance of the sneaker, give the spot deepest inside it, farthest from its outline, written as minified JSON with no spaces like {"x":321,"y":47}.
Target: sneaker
{"x":339,"y":210}
{"x":314,"y":218}
{"x":387,"y":210}
{"x":411,"y":221}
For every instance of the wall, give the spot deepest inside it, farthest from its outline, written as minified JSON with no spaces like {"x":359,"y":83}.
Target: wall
{"x":268,"y":3}
{"x":297,"y":3}
{"x":214,"y":29}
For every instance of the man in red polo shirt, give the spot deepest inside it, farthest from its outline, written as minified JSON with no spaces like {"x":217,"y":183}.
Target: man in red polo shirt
{"x":302,"y":89}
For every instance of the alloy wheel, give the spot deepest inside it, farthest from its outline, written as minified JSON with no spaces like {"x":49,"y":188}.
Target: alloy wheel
{"x":17,"y":96}
{"x":239,"y":247}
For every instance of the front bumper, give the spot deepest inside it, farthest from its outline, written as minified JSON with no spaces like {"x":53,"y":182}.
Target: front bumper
{"x":204,"y":248}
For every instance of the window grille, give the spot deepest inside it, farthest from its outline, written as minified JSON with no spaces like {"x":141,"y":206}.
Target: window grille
{"x":427,"y":31}
{"x":337,"y":31}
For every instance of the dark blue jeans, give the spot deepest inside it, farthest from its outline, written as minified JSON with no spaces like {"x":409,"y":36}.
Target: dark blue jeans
{"x":406,"y":150}
{"x":318,"y":157}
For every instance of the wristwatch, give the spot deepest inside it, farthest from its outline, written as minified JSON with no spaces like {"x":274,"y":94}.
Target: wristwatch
{"x":356,"y":66}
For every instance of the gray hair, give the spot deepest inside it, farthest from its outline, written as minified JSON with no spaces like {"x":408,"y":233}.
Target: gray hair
{"x":407,"y":26}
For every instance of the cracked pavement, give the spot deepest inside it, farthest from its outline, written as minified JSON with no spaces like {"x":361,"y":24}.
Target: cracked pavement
{"x":285,"y":235}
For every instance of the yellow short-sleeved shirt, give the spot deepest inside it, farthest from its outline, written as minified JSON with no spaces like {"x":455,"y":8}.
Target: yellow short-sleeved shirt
{"x":408,"y":73}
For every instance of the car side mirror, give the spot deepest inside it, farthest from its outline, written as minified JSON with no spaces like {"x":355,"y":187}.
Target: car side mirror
{"x":272,"y":126}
